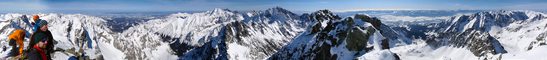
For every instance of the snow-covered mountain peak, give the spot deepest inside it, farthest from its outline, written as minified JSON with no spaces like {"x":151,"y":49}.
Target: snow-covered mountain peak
{"x":495,"y":32}
{"x":271,"y":15}
{"x":340,"y":39}
{"x":508,"y":12}
{"x":219,"y":11}
{"x":178,"y":15}
{"x":517,"y":14}
{"x":279,"y":10}
{"x":323,"y":15}
{"x":484,"y":20}
{"x":195,"y":23}
{"x":182,"y":31}
{"x":232,"y":35}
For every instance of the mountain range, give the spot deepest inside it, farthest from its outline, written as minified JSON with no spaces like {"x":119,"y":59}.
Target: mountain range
{"x":279,"y":34}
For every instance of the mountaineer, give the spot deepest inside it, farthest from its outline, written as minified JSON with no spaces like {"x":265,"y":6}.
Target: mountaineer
{"x":16,"y":39}
{"x":41,"y":42}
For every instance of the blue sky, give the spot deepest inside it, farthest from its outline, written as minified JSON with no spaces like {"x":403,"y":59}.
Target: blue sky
{"x":245,"y":5}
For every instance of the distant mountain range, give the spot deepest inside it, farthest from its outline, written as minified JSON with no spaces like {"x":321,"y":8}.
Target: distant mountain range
{"x":279,"y":34}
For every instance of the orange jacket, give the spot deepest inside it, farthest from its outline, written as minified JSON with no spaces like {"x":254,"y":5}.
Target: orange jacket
{"x":18,"y":35}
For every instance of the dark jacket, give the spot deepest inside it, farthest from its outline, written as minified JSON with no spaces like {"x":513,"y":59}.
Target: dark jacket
{"x":36,"y":53}
{"x":33,"y":55}
{"x":43,"y":35}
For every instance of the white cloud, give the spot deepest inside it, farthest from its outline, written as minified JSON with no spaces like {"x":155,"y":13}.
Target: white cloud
{"x":393,"y":18}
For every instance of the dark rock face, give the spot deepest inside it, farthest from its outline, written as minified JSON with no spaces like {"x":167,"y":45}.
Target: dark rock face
{"x":394,"y":36}
{"x":177,"y":47}
{"x":355,"y":40}
{"x":336,"y":33}
{"x":322,"y":15}
{"x":212,"y":50}
{"x":235,"y":31}
{"x":471,"y":31}
{"x":478,"y":42}
{"x":316,"y":28}
{"x":374,"y":21}
{"x":396,"y":56}
{"x":540,"y":41}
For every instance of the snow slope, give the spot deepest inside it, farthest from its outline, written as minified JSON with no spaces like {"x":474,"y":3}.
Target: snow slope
{"x":491,"y":34}
{"x":221,"y":33}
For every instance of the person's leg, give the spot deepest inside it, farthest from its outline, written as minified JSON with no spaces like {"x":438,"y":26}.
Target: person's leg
{"x":14,"y":49}
{"x":13,"y":52}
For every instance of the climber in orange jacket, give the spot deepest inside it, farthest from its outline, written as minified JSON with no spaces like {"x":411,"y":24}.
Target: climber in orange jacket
{"x":16,"y":37}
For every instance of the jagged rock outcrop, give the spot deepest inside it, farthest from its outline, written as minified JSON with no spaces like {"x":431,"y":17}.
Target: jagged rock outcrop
{"x":333,"y":38}
{"x":484,"y":32}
